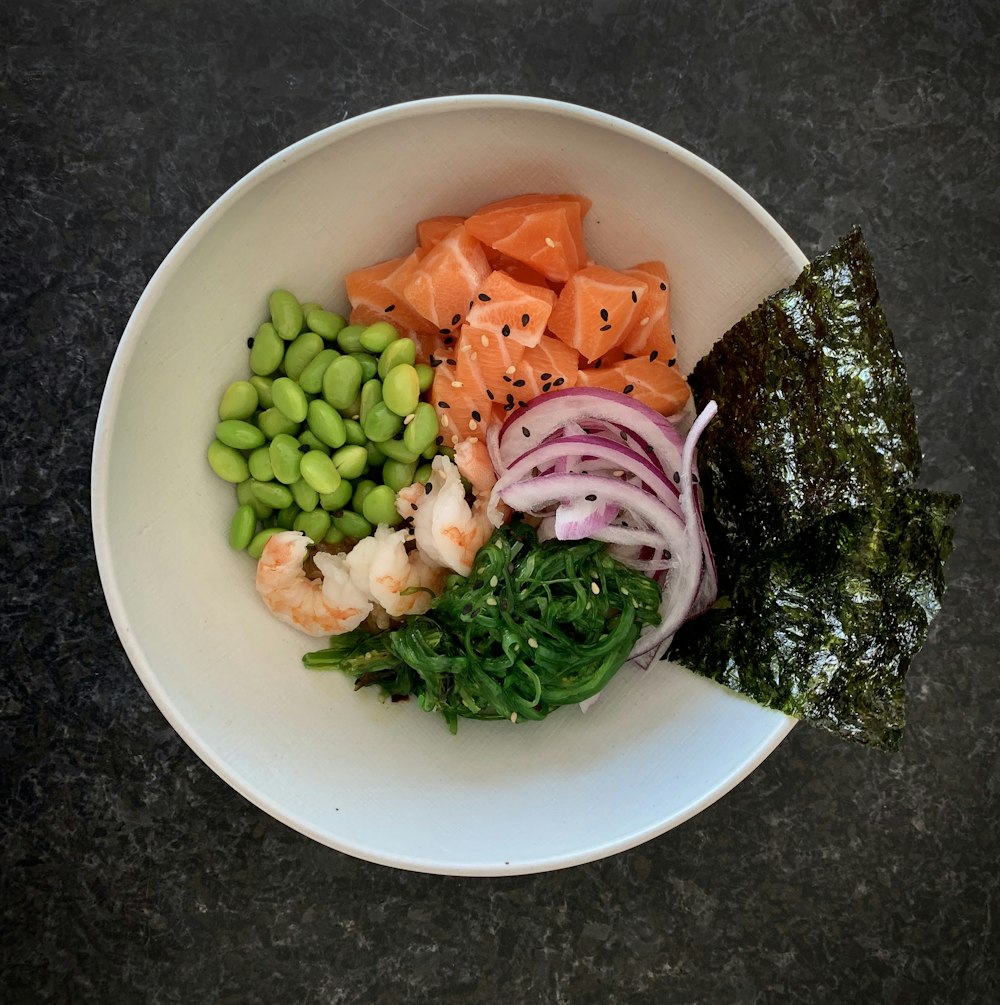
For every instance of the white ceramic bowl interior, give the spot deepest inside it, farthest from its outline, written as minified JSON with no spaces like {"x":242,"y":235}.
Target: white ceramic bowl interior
{"x":387,"y":782}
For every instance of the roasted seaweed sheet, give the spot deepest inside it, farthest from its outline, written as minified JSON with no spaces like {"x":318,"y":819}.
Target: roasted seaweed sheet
{"x":830,"y":562}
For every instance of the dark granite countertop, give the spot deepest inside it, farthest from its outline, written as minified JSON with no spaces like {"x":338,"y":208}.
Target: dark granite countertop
{"x":132,"y":873}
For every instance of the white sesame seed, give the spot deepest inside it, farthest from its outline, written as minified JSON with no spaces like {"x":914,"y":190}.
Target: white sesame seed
{"x":644,"y":321}
{"x":457,"y":383}
{"x":624,"y":592}
{"x":595,"y":589}
{"x":491,"y":601}
{"x":474,"y":355}
{"x":473,"y":425}
{"x":511,"y":369}
{"x":618,"y":473}
{"x":513,"y":716}
{"x":445,"y":421}
{"x":532,"y":643}
{"x":454,"y":443}
{"x":494,"y":581}
{"x":484,"y":340}
{"x":550,"y":242}
{"x":406,"y":421}
{"x":466,"y":347}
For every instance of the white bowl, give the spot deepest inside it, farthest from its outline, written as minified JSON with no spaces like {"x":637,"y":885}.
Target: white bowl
{"x":386,"y":782}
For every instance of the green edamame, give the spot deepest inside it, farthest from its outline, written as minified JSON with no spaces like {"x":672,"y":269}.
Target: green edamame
{"x":307,"y":306}
{"x":256,"y":547}
{"x":242,"y":527}
{"x":369,"y":365}
{"x":361,"y":489}
{"x":338,"y":498}
{"x":273,"y":494}
{"x":352,"y":524}
{"x":305,"y":496}
{"x":342,"y":382}
{"x":378,"y":337}
{"x":325,"y":323}
{"x":371,"y":395}
{"x":401,"y":389}
{"x":259,"y":463}
{"x":302,"y":351}
{"x":349,"y":338}
{"x":425,"y":375}
{"x":286,"y":517}
{"x":398,"y":474}
{"x":334,"y":535}
{"x":314,"y":524}
{"x":382,"y":423}
{"x":398,"y":450}
{"x":326,"y":423}
{"x":262,"y":385}
{"x":290,"y":399}
{"x":272,"y":423}
{"x":285,"y":457}
{"x":320,"y":471}
{"x":422,"y":430}
{"x":239,"y":401}
{"x":355,"y":435}
{"x":403,"y":350}
{"x":268,"y":350}
{"x":227,"y":462}
{"x":350,"y":461}
{"x":286,"y":314}
{"x":245,"y":497}
{"x":423,"y":474}
{"x":375,"y":456}
{"x":310,"y":441}
{"x":311,"y":378}
{"x":239,"y":434}
{"x":353,"y":410}
{"x":379,"y":506}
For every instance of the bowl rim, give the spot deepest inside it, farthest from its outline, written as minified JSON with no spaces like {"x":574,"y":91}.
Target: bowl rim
{"x":101,"y":458}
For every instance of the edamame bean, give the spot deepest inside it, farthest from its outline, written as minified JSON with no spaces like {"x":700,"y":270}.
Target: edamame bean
{"x":397,"y":474}
{"x":311,"y":378}
{"x":382,"y":423}
{"x":259,"y":463}
{"x":262,"y":385}
{"x":423,"y":474}
{"x":228,"y":463}
{"x":342,"y":381}
{"x":326,"y":423}
{"x":334,"y":535}
{"x":403,"y":350}
{"x":242,"y":527}
{"x":361,"y":489}
{"x":338,"y":498}
{"x":325,"y":323}
{"x":398,"y":451}
{"x":377,"y":337}
{"x":349,"y":338}
{"x":401,"y":389}
{"x":301,"y":353}
{"x":320,"y":471}
{"x":371,"y":394}
{"x":239,"y":401}
{"x":239,"y":434}
{"x":307,"y":306}
{"x":256,"y":547}
{"x":353,"y":410}
{"x":285,"y":457}
{"x":267,"y":351}
{"x":310,"y":441}
{"x":379,"y":506}
{"x":272,"y":494}
{"x":286,"y":314}
{"x":369,"y":365}
{"x":375,"y":456}
{"x":353,"y":433}
{"x":272,"y":423}
{"x":305,"y":496}
{"x":352,"y":524}
{"x":425,"y":375}
{"x":245,"y":497}
{"x":422,"y":430}
{"x":431,"y":452}
{"x":350,"y":461}
{"x":286,"y":517}
{"x":290,"y":399}
{"x":314,"y":524}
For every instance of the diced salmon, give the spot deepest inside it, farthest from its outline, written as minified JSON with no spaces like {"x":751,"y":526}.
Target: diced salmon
{"x":657,"y":382}
{"x":650,"y":330}
{"x":595,"y":309}
{"x":510,"y":308}
{"x":545,"y":367}
{"x":447,"y":278}
{"x":434,"y":228}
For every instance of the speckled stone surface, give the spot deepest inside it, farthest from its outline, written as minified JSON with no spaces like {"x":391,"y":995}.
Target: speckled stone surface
{"x":131,"y":873}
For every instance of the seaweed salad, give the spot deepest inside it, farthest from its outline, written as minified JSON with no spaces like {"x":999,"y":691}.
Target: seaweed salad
{"x":830,"y":559}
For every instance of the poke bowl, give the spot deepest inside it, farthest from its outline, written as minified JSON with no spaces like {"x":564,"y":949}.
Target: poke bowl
{"x":386,"y":781}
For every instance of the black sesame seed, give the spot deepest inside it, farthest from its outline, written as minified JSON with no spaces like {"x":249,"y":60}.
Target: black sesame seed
{"x":484,"y":297}
{"x":591,"y":498}
{"x":605,"y":328}
{"x":597,"y":364}
{"x":545,"y":376}
{"x":449,"y":340}
{"x":559,"y":381}
{"x":428,"y":487}
{"x":523,"y":404}
{"x":489,"y":394}
{"x":671,"y":362}
{"x":677,"y":477}
{"x":635,"y":299}
{"x":510,"y":397}
{"x":505,"y":331}
{"x":467,"y":609}
{"x":414,"y":507}
{"x":444,"y":331}
{"x":519,"y":383}
{"x":441,"y":404}
{"x":434,"y":360}
{"x":451,"y":362}
{"x":604,"y":314}
{"x":525,"y":431}
{"x":653,"y":355}
{"x":648,"y":449}
{"x":439,"y":440}
{"x":304,"y":448}
{"x":694,"y":479}
{"x":673,"y":338}
{"x":624,"y":435}
{"x":506,"y":378}
{"x":509,"y":406}
{"x":477,"y":416}
{"x":663,"y":286}
{"x":390,"y":309}
{"x":546,"y":387}
{"x":628,"y":388}
{"x":525,"y":318}
{"x":456,"y":319}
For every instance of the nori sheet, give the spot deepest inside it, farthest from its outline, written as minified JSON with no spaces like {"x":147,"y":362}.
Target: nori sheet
{"x":830,"y":563}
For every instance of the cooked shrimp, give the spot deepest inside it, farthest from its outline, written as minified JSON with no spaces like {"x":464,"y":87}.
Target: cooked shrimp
{"x":382,"y":567}
{"x":328,"y":606}
{"x":473,"y":460}
{"x":448,"y":531}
